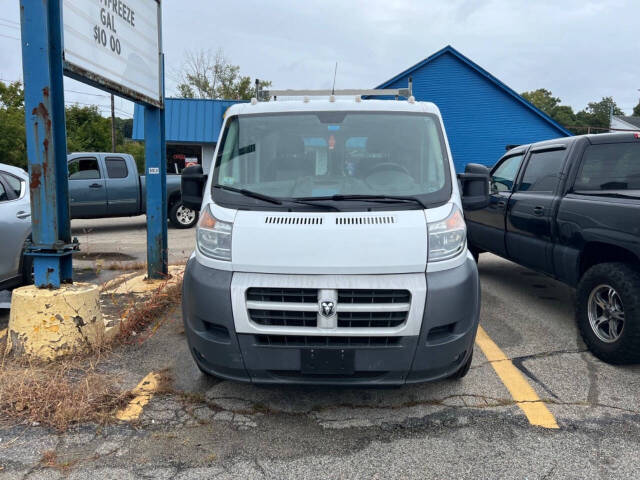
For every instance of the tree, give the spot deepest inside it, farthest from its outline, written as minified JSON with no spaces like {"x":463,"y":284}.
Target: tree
{"x":13,"y":143}
{"x":636,"y":110}
{"x":209,"y":75}
{"x":543,"y":99}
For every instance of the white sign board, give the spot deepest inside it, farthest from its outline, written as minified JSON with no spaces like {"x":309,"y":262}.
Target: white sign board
{"x":115,"y":44}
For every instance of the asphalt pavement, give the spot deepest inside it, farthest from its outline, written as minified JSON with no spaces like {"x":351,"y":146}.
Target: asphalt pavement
{"x":530,"y":355}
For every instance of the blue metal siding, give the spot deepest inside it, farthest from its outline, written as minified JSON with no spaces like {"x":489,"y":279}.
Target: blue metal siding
{"x":187,"y":120}
{"x":480,"y":114}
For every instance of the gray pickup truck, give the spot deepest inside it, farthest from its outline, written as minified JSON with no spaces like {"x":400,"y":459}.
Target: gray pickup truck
{"x":108,"y":185}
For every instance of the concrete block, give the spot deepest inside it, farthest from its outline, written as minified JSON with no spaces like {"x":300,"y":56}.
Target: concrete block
{"x":47,"y":324}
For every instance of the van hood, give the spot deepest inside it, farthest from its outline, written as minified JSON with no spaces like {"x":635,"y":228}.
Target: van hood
{"x":330,"y":243}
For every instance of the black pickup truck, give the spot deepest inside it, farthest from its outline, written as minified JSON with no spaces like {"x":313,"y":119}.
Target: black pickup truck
{"x":570,"y":208}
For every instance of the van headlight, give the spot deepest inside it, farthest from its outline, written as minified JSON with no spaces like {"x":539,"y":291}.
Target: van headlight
{"x":214,"y":236}
{"x":448,"y":237}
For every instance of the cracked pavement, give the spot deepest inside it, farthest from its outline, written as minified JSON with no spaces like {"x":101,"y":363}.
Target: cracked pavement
{"x":206,"y":428}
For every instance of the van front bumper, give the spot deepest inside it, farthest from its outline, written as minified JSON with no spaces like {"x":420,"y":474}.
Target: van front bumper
{"x":444,"y":344}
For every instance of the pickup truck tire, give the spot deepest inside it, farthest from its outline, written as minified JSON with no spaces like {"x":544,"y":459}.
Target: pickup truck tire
{"x":181,"y":216}
{"x":608,"y":312}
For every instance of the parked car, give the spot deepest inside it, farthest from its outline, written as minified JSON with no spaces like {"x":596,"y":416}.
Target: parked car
{"x":15,"y":225}
{"x":108,"y":185}
{"x":570,"y":208}
{"x":322,"y":225}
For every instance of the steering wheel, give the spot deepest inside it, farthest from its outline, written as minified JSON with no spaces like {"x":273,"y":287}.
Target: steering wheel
{"x":385,"y":167}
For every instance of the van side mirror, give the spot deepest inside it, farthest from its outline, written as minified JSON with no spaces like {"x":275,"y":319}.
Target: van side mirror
{"x":474,"y":186}
{"x":192,"y":186}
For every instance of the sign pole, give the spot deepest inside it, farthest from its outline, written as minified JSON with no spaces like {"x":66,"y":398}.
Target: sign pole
{"x":51,"y":247}
{"x":156,"y":185}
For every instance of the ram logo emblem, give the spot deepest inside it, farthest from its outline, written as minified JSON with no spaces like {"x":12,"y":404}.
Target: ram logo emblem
{"x":327,"y":308}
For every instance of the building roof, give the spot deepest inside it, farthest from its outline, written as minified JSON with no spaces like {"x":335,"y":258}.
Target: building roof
{"x":187,"y":120}
{"x":477,"y":68}
{"x":632,"y":121}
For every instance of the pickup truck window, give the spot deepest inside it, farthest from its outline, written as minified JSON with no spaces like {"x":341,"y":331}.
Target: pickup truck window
{"x":505,"y":174}
{"x":543,"y":171}
{"x":84,"y":169}
{"x":610,"y":167}
{"x":116,"y":167}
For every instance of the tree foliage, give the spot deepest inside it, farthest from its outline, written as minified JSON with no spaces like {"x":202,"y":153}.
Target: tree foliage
{"x":87,"y":130}
{"x":636,"y":110}
{"x":595,"y":118}
{"x":211,"y":75}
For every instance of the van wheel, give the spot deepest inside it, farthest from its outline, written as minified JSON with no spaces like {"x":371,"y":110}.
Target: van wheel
{"x":608,"y":312}
{"x":181,"y":216}
{"x":463,"y":370}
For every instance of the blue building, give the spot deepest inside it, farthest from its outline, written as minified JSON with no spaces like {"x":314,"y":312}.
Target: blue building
{"x":481,"y":114}
{"x":192,"y":129}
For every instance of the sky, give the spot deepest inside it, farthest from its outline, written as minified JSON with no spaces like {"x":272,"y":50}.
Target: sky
{"x":581,"y":50}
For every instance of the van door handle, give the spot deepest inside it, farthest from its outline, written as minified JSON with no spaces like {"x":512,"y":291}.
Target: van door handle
{"x":501,"y":204}
{"x":95,"y":185}
{"x":22,"y":214}
{"x":538,"y":211}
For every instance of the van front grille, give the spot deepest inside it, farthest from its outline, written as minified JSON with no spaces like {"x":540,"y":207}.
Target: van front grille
{"x":373,"y":296}
{"x":287,"y":295}
{"x":371,"y":319}
{"x":279,"y":318}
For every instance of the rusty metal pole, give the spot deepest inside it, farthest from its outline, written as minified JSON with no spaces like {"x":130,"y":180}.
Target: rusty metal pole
{"x":41,"y":27}
{"x":156,"y":185}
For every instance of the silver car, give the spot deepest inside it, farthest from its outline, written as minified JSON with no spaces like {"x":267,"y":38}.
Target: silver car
{"x":15,"y":226}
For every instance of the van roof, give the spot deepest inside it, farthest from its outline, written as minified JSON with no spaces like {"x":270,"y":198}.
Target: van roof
{"x":340,"y":104}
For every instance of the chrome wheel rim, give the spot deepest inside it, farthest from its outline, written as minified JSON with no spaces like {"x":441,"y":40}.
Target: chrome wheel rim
{"x":185,"y":215}
{"x":606,"y":313}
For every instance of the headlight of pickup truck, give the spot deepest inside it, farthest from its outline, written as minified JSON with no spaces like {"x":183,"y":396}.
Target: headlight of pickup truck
{"x":214,"y":236}
{"x":448,"y":237}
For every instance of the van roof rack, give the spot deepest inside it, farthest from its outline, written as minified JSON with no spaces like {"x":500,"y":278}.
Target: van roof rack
{"x":265,"y":95}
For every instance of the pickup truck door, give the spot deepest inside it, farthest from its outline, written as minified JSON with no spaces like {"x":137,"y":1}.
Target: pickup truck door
{"x":123,"y":188}
{"x":486,"y":227}
{"x":530,"y":212}
{"x":87,"y":192}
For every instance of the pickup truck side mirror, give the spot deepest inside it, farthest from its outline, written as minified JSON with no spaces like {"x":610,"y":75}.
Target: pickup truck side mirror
{"x":474,"y":186}
{"x":192,"y":186}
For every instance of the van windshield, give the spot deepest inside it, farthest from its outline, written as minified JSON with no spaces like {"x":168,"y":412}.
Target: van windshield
{"x":320,"y":155}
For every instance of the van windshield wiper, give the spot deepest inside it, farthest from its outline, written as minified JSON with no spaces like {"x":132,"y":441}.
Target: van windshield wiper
{"x":369,"y":198}
{"x":249,"y":193}
{"x":607,"y":194}
{"x":274,"y":200}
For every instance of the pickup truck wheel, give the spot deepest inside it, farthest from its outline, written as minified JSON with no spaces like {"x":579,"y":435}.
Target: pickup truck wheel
{"x":181,"y":216}
{"x":608,"y":312}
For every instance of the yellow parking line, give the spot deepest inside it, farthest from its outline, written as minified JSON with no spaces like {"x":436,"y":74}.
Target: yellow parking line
{"x":143,"y":393}
{"x":3,"y":333}
{"x":523,"y":394}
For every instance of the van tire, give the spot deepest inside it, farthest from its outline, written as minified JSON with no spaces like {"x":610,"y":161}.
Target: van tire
{"x":181,"y":216}
{"x":463,"y":370}
{"x":623,"y":347}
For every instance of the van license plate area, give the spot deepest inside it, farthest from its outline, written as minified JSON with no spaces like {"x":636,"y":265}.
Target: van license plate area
{"x":327,"y":362}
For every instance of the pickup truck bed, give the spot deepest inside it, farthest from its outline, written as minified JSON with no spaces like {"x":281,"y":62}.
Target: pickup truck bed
{"x":570,"y":208}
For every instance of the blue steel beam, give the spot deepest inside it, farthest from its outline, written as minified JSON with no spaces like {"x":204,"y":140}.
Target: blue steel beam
{"x":155,"y":154}
{"x":41,"y":27}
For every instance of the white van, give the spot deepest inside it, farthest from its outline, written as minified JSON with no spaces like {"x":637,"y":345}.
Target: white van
{"x":331,"y":247}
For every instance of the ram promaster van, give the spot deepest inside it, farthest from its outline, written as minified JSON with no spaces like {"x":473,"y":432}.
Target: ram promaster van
{"x":331,"y":246}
